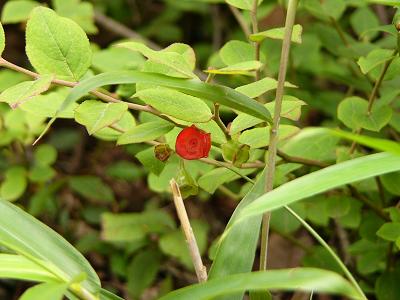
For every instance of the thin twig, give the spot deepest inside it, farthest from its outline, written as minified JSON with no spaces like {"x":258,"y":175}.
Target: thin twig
{"x":200,"y":269}
{"x":368,"y":203}
{"x":98,"y":94}
{"x":241,"y":21}
{"x":122,"y":30}
{"x":374,"y":94}
{"x":273,"y":139}
{"x":219,"y":122}
{"x":301,"y":160}
{"x":257,"y":45}
{"x":329,"y":249}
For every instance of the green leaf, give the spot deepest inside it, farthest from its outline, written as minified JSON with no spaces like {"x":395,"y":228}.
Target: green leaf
{"x":353,"y":113}
{"x":291,"y":109}
{"x":242,"y":4}
{"x":106,"y":295}
{"x":127,"y":227}
{"x":325,"y":9}
{"x":24,"y":91}
{"x":145,"y":132}
{"x":45,"y":291}
{"x":18,"y":267}
{"x":242,"y":68}
{"x":304,"y":279}
{"x":323,"y":180}
{"x":257,"y":88}
{"x":234,"y":52}
{"x":57,"y":45}
{"x":252,"y":138}
{"x":45,"y":154}
{"x":2,"y":40}
{"x":277,"y":34}
{"x":176,"y":104}
{"x":116,"y":59}
{"x":149,"y":161}
{"x":142,"y":271}
{"x":47,"y":105}
{"x":91,"y":187}
{"x":175,"y":245}
{"x":14,"y":184}
{"x":389,"y":231}
{"x":41,"y":244}
{"x":363,"y":19}
{"x":17,"y":11}
{"x":171,"y":59}
{"x":391,"y":182}
{"x":374,"y":59}
{"x":126,"y":123}
{"x":96,"y":115}
{"x":211,"y":180}
{"x":387,"y":286}
{"x":81,"y":12}
{"x":227,"y":259}
{"x":375,"y":143}
{"x":212,"y":92}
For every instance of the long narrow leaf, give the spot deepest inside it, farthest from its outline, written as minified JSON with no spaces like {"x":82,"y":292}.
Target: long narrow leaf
{"x":18,"y":267}
{"x":375,"y":143}
{"x":27,"y":236}
{"x":235,"y":253}
{"x":215,"y":93}
{"x":322,"y":180}
{"x":305,"y":279}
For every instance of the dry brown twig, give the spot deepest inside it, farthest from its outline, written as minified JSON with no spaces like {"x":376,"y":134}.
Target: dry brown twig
{"x":200,"y":269}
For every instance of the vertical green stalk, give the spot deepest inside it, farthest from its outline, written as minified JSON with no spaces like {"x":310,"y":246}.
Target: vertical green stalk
{"x":254,"y":23}
{"x":273,"y":140}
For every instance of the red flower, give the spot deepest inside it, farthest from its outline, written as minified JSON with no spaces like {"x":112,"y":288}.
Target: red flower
{"x":193,"y":143}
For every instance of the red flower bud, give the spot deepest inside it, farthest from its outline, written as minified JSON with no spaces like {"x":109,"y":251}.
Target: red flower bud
{"x":193,"y":143}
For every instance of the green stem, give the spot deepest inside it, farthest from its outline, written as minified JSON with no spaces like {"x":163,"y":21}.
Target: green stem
{"x":273,"y":140}
{"x":241,"y":21}
{"x":379,"y":81}
{"x":329,"y":249}
{"x":374,"y":93}
{"x":257,"y":45}
{"x":219,"y":122}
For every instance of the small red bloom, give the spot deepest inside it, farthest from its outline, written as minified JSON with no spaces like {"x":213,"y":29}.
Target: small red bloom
{"x":193,"y":143}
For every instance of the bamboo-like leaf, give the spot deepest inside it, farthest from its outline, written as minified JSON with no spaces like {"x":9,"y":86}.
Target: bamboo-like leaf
{"x":18,"y":267}
{"x":375,"y":143}
{"x":27,"y":236}
{"x":212,"y":92}
{"x":323,"y":180}
{"x":228,"y":259}
{"x":305,"y":279}
{"x":215,"y":93}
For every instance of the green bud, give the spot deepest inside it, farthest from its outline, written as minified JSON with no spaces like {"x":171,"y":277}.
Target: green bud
{"x":235,"y":152}
{"x":162,"y":152}
{"x":186,"y":183}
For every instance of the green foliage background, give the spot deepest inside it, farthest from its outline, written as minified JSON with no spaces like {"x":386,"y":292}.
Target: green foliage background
{"x":159,"y":66}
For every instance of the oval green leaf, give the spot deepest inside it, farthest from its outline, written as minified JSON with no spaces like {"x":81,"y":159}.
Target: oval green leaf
{"x":96,"y":115}
{"x":176,"y":104}
{"x":57,"y":45}
{"x":145,"y":132}
{"x":323,"y":180}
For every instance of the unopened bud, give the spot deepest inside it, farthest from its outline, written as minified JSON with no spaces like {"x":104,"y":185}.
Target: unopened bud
{"x":162,"y":152}
{"x":235,"y":152}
